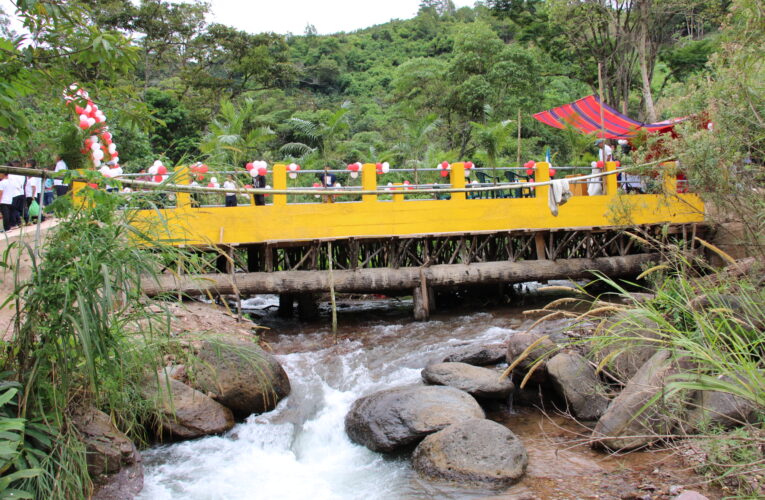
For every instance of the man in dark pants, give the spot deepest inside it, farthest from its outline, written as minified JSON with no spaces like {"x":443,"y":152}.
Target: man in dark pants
{"x":17,"y":184}
{"x":6,"y":202}
{"x":260,"y":182}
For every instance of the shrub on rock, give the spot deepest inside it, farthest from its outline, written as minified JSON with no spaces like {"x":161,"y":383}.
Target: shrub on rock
{"x":241,"y":376}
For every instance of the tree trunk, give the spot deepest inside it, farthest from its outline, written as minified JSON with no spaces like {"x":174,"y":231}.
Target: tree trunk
{"x":401,"y":279}
{"x":645,"y":74}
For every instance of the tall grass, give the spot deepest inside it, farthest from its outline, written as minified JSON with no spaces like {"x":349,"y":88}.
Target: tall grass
{"x":83,"y":335}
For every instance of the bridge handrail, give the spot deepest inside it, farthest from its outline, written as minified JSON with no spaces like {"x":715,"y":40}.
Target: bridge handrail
{"x":186,"y":188}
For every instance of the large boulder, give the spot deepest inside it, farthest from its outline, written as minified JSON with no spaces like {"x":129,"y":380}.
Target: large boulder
{"x":519,"y":342}
{"x":107,"y":449}
{"x":634,"y":339}
{"x":478,"y":355}
{"x":481,"y":383}
{"x":187,"y":413}
{"x":241,"y":376}
{"x":719,"y":408}
{"x":394,"y":418}
{"x":575,"y":380}
{"x":641,"y":411}
{"x":480,"y":452}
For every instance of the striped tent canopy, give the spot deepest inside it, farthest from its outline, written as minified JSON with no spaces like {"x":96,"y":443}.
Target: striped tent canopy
{"x":584,"y":115}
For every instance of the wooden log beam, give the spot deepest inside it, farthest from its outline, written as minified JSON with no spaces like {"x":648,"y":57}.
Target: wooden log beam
{"x":405,"y":278}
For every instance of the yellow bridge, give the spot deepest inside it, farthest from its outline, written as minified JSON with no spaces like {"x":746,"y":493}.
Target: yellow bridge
{"x":284,"y":222}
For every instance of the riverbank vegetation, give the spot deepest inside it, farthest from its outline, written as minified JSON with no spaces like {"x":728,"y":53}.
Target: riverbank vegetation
{"x":449,"y":84}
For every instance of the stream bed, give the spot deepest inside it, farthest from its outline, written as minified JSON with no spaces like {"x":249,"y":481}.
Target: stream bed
{"x":300,"y":450}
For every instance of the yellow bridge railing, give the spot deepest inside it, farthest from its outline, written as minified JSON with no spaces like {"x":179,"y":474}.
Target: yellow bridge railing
{"x":373,"y":217}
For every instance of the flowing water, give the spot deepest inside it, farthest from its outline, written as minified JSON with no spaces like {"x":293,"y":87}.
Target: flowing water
{"x":300,"y":449}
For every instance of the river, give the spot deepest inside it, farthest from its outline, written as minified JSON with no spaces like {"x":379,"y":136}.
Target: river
{"x":300,"y":449}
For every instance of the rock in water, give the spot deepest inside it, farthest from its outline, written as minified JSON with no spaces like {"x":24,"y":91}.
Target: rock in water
{"x":186,"y":413}
{"x":478,"y":355}
{"x":107,"y":449}
{"x":519,"y":342}
{"x":241,"y":376}
{"x":476,"y":381}
{"x":721,"y":408}
{"x":575,"y":380}
{"x":394,"y":418}
{"x":481,"y":452}
{"x":628,"y":423}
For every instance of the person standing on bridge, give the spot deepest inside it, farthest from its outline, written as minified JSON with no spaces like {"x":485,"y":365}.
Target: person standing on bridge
{"x":230,"y":196}
{"x":6,"y":202}
{"x":58,"y":185}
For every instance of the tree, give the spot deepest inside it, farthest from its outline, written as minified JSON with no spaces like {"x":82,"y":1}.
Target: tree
{"x":321,"y":138}
{"x":232,"y":139}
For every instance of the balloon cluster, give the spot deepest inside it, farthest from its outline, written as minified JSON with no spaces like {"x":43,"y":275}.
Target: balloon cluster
{"x":213,"y":183}
{"x":100,"y":144}
{"x":158,"y":172}
{"x":468,"y":167}
{"x":256,"y":168}
{"x":444,"y":167}
{"x":354,"y":169}
{"x":529,"y":165}
{"x":293,"y":169}
{"x":199,"y":170}
{"x":382,"y":168}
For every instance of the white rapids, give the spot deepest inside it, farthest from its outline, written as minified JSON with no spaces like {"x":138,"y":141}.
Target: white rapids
{"x":300,"y":450}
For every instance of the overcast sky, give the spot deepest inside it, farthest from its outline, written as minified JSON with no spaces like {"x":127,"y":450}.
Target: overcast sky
{"x":283,"y":16}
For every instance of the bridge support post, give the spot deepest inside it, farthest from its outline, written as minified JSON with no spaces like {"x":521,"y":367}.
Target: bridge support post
{"x":308,"y":306}
{"x":286,"y":305}
{"x":420,"y":301}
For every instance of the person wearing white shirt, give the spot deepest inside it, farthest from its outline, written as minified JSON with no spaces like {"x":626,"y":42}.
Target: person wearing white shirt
{"x":605,"y":153}
{"x":6,"y":202}
{"x":230,"y":196}
{"x":58,"y":185}
{"x":16,"y":186}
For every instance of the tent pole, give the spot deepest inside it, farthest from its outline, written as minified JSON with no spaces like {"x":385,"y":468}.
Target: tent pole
{"x":600,"y":93}
{"x":519,"y":137}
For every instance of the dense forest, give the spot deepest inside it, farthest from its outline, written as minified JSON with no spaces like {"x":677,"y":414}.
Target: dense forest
{"x":450,"y":84}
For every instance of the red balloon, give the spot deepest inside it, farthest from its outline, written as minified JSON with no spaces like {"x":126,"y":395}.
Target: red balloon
{"x":262,"y":171}
{"x":248,"y":186}
{"x":445,"y":164}
{"x":552,"y":172}
{"x":200,"y":177}
{"x":529,"y":171}
{"x":202,"y":169}
{"x":115,"y":154}
{"x":444,"y":173}
{"x":600,"y":164}
{"x":529,"y":164}
{"x":84,"y":125}
{"x":316,"y":185}
{"x":249,"y":166}
{"x":157,"y":178}
{"x":618,"y":164}
{"x":468,"y":164}
{"x":162,"y":170}
{"x":88,"y":143}
{"x":210,"y":185}
{"x":92,"y":185}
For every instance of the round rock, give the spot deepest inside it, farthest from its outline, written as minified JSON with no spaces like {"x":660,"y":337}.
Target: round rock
{"x":241,"y":376}
{"x":480,"y":452}
{"x":394,"y":418}
{"x":479,"y":382}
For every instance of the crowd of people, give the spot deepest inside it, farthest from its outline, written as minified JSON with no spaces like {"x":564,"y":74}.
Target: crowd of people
{"x":23,"y":198}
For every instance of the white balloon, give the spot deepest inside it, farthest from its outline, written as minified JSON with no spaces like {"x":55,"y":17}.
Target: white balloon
{"x":354,"y":175}
{"x":98,"y":155}
{"x":293,"y":175}
{"x":91,"y":121}
{"x":83,"y":117}
{"x":101,"y":118}
{"x":385,"y":167}
{"x":153,"y":169}
{"x":105,"y":171}
{"x":254,"y":172}
{"x":96,"y":163}
{"x":116,"y":159}
{"x":112,"y":148}
{"x":214,"y":180}
{"x":157,"y":163}
{"x":88,"y":109}
{"x":594,"y":164}
{"x":95,"y":146}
